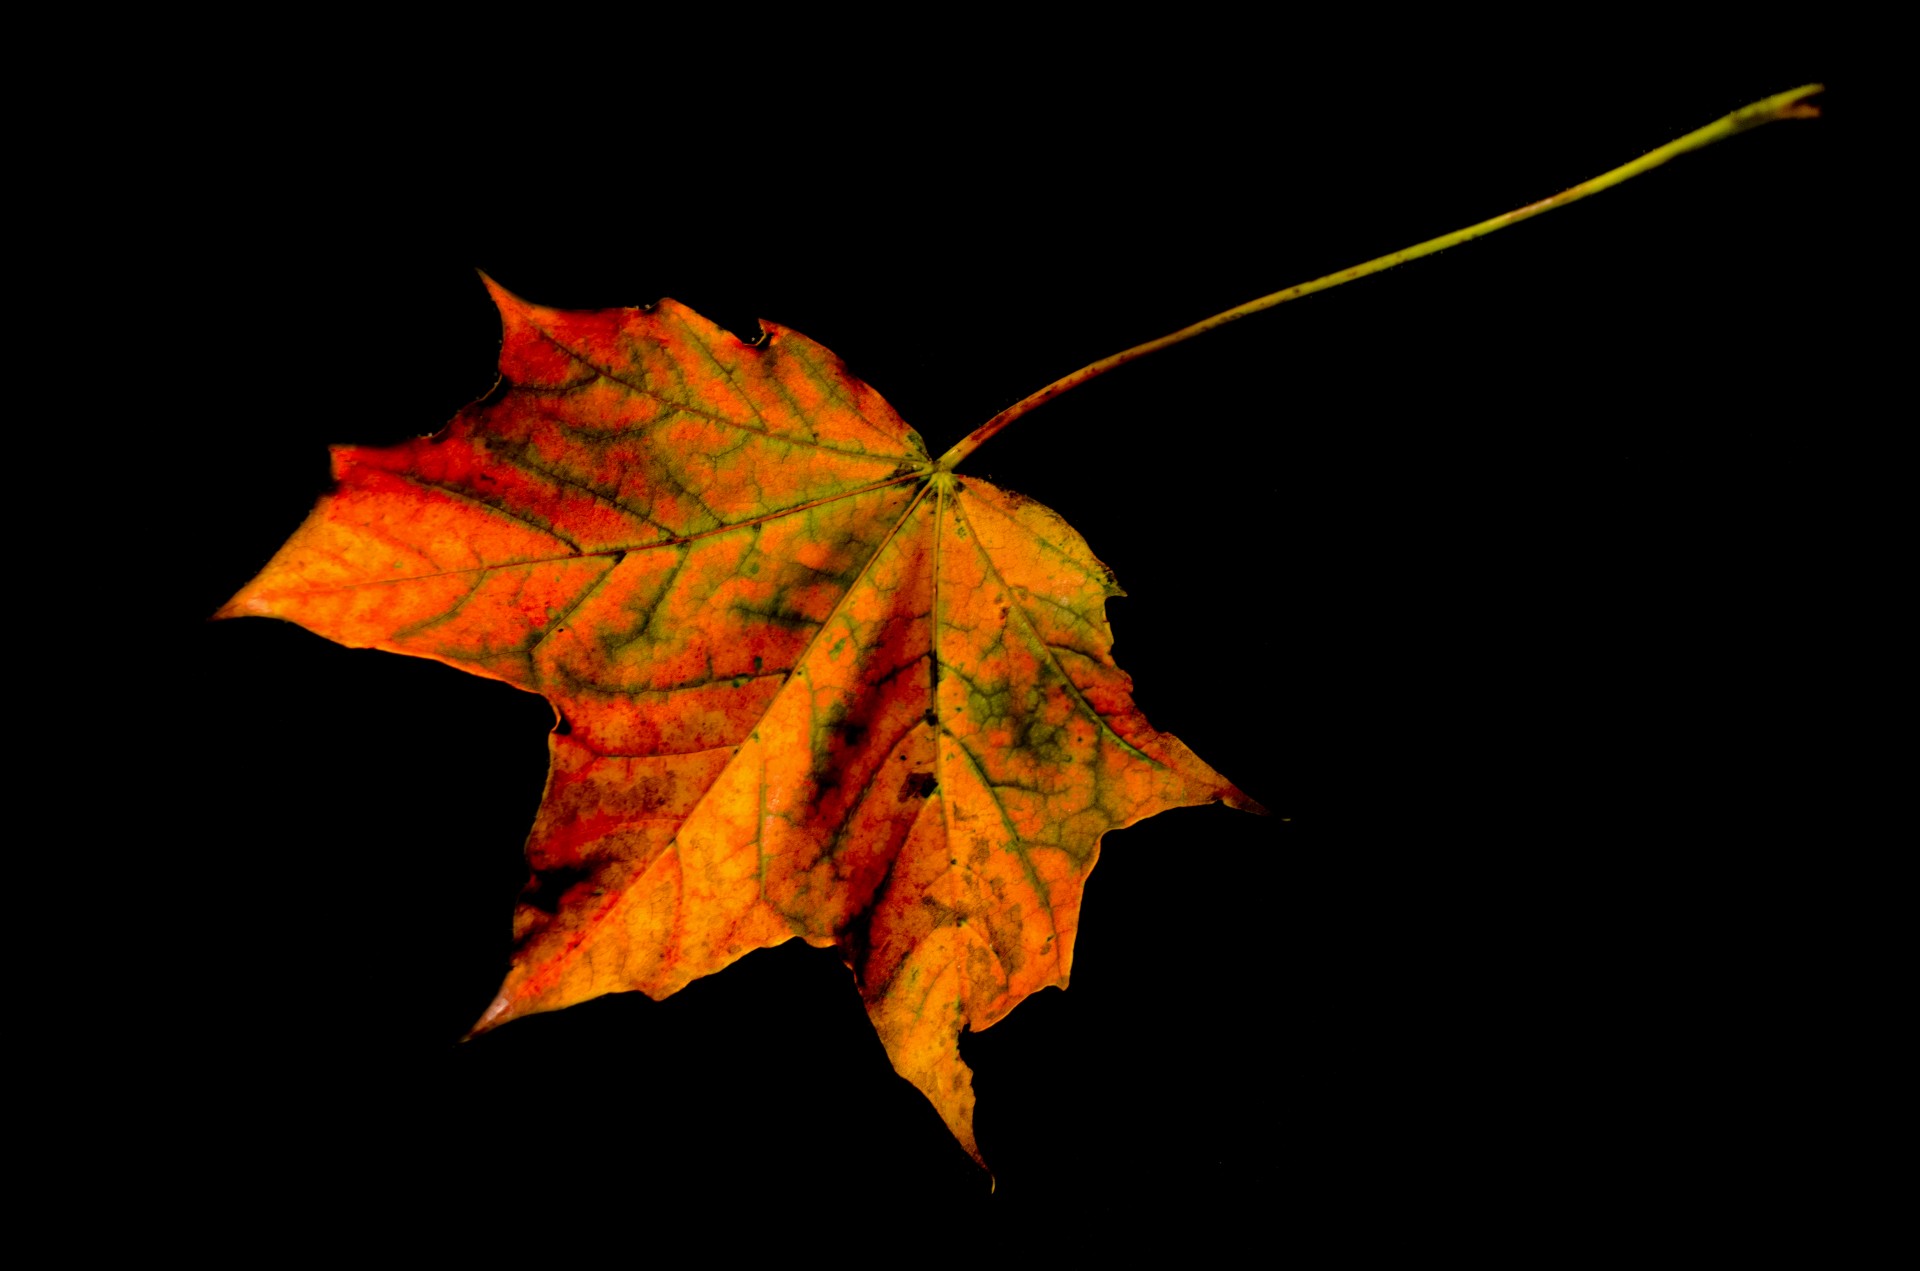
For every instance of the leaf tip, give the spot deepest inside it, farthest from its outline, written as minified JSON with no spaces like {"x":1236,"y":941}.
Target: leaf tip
{"x":243,"y":606}
{"x":495,"y":1015}
{"x":503,"y":299}
{"x":1234,"y":797}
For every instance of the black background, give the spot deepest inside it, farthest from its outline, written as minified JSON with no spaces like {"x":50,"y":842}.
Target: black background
{"x":1475,"y":573}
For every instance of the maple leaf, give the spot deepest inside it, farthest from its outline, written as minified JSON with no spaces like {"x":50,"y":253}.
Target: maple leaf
{"x":809,"y":683}
{"x":542,"y":912}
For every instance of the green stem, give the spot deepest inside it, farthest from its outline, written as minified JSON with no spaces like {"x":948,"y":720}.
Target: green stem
{"x":1788,"y":105}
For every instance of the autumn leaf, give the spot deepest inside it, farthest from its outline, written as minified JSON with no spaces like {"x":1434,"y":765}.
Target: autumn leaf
{"x":547,"y":913}
{"x":808,"y":683}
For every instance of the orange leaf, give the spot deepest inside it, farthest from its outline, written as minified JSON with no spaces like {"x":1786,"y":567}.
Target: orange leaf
{"x":807,"y":683}
{"x":1454,"y":463}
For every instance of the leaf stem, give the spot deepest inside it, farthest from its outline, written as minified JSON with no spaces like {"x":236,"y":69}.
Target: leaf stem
{"x":1787,"y":105}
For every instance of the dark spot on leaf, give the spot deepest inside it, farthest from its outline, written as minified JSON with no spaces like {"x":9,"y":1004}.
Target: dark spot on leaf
{"x":563,"y":726}
{"x":918,"y":785}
